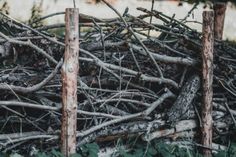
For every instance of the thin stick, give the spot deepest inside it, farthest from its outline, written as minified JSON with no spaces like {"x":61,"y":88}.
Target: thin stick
{"x":74,"y":3}
{"x":30,"y":44}
{"x":136,"y":37}
{"x":33,"y":30}
{"x":231,"y":115}
{"x":47,"y":16}
{"x":4,"y":86}
{"x":153,"y":1}
{"x":144,"y":113}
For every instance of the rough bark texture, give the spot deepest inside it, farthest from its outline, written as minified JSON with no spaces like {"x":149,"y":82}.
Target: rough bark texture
{"x":207,"y":71}
{"x":69,"y":84}
{"x":184,"y":100}
{"x":219,"y":9}
{"x":138,"y":127}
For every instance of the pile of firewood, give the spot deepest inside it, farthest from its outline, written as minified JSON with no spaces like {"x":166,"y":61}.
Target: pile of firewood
{"x":135,"y":78}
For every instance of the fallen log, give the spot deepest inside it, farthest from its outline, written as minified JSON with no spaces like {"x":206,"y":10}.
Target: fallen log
{"x":184,"y":101}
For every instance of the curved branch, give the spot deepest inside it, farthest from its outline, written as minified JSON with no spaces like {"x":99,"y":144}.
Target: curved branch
{"x":4,"y":86}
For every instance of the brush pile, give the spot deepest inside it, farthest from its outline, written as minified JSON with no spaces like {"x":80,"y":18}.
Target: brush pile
{"x":136,"y":79}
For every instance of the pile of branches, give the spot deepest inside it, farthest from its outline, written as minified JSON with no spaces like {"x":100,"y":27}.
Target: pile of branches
{"x":136,"y":78}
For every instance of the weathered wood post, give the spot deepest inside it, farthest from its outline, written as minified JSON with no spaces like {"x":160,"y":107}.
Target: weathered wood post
{"x":69,"y":83}
{"x":219,"y":9}
{"x":207,"y":75}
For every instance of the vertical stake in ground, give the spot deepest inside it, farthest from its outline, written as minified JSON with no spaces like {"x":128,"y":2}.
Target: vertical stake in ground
{"x":207,"y":75}
{"x":69,"y":83}
{"x":219,"y":9}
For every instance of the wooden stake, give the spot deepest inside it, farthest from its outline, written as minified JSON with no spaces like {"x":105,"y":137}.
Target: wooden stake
{"x":219,"y":9}
{"x":69,"y":83}
{"x":207,"y":71}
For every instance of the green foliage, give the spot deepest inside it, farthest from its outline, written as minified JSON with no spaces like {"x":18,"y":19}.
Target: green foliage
{"x":232,"y":149}
{"x":58,"y":32}
{"x":36,"y":13}
{"x":10,"y":155}
{"x":76,"y":155}
{"x":160,"y":149}
{"x":16,"y":155}
{"x":136,"y":149}
{"x":53,"y":153}
{"x":89,"y":150}
{"x":221,"y":154}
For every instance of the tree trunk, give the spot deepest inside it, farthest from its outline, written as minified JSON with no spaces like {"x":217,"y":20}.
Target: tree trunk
{"x":69,"y":83}
{"x":219,"y":9}
{"x":207,"y":71}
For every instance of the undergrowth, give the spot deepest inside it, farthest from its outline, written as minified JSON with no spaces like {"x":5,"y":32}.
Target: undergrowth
{"x":155,"y":148}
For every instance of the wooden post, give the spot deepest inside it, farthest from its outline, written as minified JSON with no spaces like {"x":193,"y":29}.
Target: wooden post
{"x":219,"y":9}
{"x":69,"y":83}
{"x":207,"y":71}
